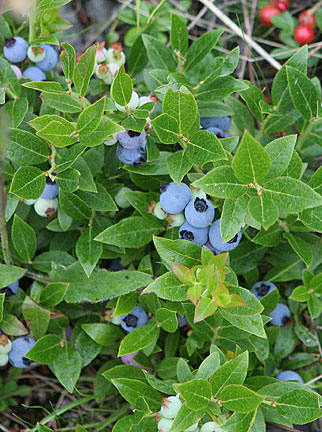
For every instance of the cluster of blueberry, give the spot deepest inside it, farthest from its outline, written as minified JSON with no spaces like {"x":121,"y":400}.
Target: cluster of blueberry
{"x":169,"y":410}
{"x":108,"y":61}
{"x":15,"y":351}
{"x":46,"y":205}
{"x":198,"y":212}
{"x":16,"y":50}
{"x":216,"y":125}
{"x":281,"y":315}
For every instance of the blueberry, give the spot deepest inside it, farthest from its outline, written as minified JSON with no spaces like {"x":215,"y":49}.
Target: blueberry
{"x":170,"y":407}
{"x":51,"y":189}
{"x":158,"y":212}
{"x":281,"y":315}
{"x":46,"y":208}
{"x":191,"y":233}
{"x":218,"y":132}
{"x":289,"y":375}
{"x":36,"y":53}
{"x":11,"y":288}
{"x":17,"y":71}
{"x":116,"y":265}
{"x":176,"y":220}
{"x":216,"y":239}
{"x":34,"y":73}
{"x":174,"y":197}
{"x":51,"y":58}
{"x":134,"y":102}
{"x":5,"y":344}
{"x":131,"y":139}
{"x":200,"y":212}
{"x":211,"y":427}
{"x":115,"y":55}
{"x":130,"y":156}
{"x":165,"y":424}
{"x":120,"y":198}
{"x":182,"y":321}
{"x":193,"y":428}
{"x":222,"y":123}
{"x":15,"y":49}
{"x":129,"y":360}
{"x":113,"y":70}
{"x":210,"y":246}
{"x":20,"y":347}
{"x":4,"y":358}
{"x":136,"y":318}
{"x":100,"y":53}
{"x":261,"y":289}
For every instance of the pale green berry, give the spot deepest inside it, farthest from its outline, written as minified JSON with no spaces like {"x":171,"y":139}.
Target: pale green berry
{"x":192,"y":428}
{"x":121,"y":199}
{"x":112,"y":141}
{"x":4,"y":358}
{"x":158,"y":212}
{"x":29,"y":202}
{"x":134,"y":101}
{"x":197,"y":193}
{"x":36,"y":53}
{"x":115,"y":56}
{"x":165,"y":425}
{"x":5,"y":344}
{"x":46,"y":208}
{"x":211,"y":427}
{"x":113,"y":68}
{"x":170,"y":407}
{"x":176,"y":220}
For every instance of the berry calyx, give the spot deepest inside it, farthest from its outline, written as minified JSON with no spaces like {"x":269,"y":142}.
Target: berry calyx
{"x":304,"y":34}
{"x":266,"y":13}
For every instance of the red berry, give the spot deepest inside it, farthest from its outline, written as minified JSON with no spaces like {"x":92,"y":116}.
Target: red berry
{"x":306,"y":19}
{"x":281,"y":5}
{"x":303,"y":34}
{"x":266,"y":14}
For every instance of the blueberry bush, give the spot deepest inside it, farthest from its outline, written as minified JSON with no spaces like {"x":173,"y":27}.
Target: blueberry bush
{"x":161,"y":227}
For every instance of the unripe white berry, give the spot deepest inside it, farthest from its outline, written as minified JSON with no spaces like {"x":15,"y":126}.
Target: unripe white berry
{"x":36,"y":53}
{"x":4,"y":358}
{"x":5,"y":344}
{"x":192,"y":428}
{"x":115,"y":56}
{"x":134,"y":101}
{"x":144,"y":100}
{"x":111,"y":141}
{"x":211,"y":427}
{"x":165,"y":424}
{"x":176,"y":220}
{"x":197,"y":193}
{"x":114,"y":68}
{"x":121,"y":199}
{"x":158,"y":212}
{"x":29,"y":202}
{"x":46,"y":208}
{"x":170,"y":407}
{"x":100,"y":54}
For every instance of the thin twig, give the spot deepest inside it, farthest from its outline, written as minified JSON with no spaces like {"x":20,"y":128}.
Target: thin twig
{"x":229,"y":23}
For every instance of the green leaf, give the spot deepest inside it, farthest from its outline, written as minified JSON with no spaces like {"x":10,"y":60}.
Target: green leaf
{"x":46,"y":349}
{"x":17,"y":110}
{"x":167,"y":319}
{"x":62,"y":102}
{"x":178,"y":165}
{"x":299,"y":406}
{"x":12,"y":326}
{"x":122,"y":87}
{"x":263,"y":210}
{"x":196,"y":392}
{"x":291,"y":195}
{"x":232,"y":217}
{"x":88,"y":251}
{"x":209,"y":366}
{"x":205,"y":308}
{"x":46,"y":86}
{"x":166,"y":128}
{"x":9,"y":274}
{"x":303,"y":93}
{"x":103,"y":334}
{"x":138,"y":339}
{"x":2,"y":298}
{"x":247,"y":257}
{"x":159,"y":54}
{"x":249,"y":324}
{"x":90,"y":118}
{"x":220,"y":89}
{"x":280,"y":151}
{"x":300,"y":247}
{"x":221,"y":182}
{"x":253,"y":96}
{"x":130,"y":232}
{"x":238,"y":398}
{"x":183,"y":107}
{"x":201,"y":47}
{"x":251,"y":162}
{"x":43,"y":5}
{"x":239,"y":422}
{"x":232,"y":372}
{"x":73,"y":206}
{"x":185,"y":418}
{"x":179,"y":251}
{"x":168,"y":287}
{"x":84,"y":70}
{"x":61,"y":133}
{"x":28,"y":183}
{"x":68,"y":367}
{"x":27,"y":149}
{"x":100,"y":201}
{"x":178,"y":34}
{"x":9,"y":78}
{"x":53,"y":294}
{"x":68,"y":59}
{"x":68,"y":180}
{"x":37,"y":317}
{"x":105,"y":128}
{"x":204,"y":147}
{"x":24,"y":239}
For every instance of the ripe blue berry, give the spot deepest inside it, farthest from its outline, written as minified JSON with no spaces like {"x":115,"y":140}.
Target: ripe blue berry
{"x":51,"y":58}
{"x":289,"y":375}
{"x":51,"y":189}
{"x":216,"y":239}
{"x":200,"y":212}
{"x":222,"y":123}
{"x":20,"y":347}
{"x":261,"y":289}
{"x":34,"y":73}
{"x":131,"y":139}
{"x":281,"y":315}
{"x":137,"y":318}
{"x":128,"y":359}
{"x":174,"y":197}
{"x":130,"y":156}
{"x":191,"y":233}
{"x":218,"y":132}
{"x":15,"y":49}
{"x":182,"y":321}
{"x":116,"y":265}
{"x":11,"y":288}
